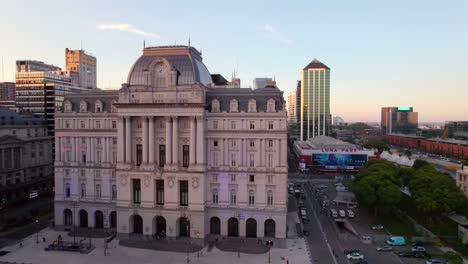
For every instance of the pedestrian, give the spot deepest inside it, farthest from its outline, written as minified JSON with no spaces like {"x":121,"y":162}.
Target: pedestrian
{"x":43,"y":239}
{"x":21,"y":244}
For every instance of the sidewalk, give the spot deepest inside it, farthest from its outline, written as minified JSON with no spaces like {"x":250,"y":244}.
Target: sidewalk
{"x":31,"y":252}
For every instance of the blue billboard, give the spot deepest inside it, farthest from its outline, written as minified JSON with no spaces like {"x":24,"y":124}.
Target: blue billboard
{"x":339,"y":160}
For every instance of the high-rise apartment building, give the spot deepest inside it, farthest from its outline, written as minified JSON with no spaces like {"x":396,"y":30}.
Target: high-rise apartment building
{"x":315,"y":118}
{"x":298,"y":102}
{"x":78,"y":61}
{"x":40,"y":89}
{"x":292,"y":118}
{"x":399,"y":120}
{"x":172,"y":154}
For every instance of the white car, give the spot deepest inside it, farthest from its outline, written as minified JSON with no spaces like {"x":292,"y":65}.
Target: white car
{"x":418,"y":249}
{"x":342,"y":213}
{"x":377,"y":227}
{"x":350,"y":214}
{"x":355,"y":256}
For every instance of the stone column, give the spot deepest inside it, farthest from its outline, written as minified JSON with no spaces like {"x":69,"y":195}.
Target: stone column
{"x":145,"y":139}
{"x":175,"y":140}
{"x":192,"y":141}
{"x":200,"y":141}
{"x":151,"y":140}
{"x":279,"y":152}
{"x":58,"y":150}
{"x":168,"y":140}
{"x":128,"y":138}
{"x":243,"y":153}
{"x":77,"y":149}
{"x":88,"y":149}
{"x":225,"y":152}
{"x":261,"y":153}
{"x":105,"y":149}
{"x":120,"y":140}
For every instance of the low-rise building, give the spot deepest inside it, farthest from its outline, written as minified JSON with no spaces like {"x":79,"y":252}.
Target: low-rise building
{"x":26,"y":163}
{"x":462,"y":179}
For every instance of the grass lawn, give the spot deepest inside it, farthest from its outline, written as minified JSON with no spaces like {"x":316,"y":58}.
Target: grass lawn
{"x":395,"y":226}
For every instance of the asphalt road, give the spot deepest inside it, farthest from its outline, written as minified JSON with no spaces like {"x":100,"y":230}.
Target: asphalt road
{"x":327,"y":237}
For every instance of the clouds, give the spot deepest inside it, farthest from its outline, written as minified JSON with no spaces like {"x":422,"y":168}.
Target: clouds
{"x":271,"y":32}
{"x":127,"y":28}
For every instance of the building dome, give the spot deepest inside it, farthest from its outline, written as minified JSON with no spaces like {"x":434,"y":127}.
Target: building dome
{"x":185,"y":60}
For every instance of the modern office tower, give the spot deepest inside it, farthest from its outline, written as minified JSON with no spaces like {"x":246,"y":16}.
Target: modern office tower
{"x":457,"y":129}
{"x":261,"y":82}
{"x":26,"y":164}
{"x":298,"y":102}
{"x":315,"y":119}
{"x":172,"y":154}
{"x":78,"y":61}
{"x":40,"y":89}
{"x":399,"y":120}
{"x":292,"y":118}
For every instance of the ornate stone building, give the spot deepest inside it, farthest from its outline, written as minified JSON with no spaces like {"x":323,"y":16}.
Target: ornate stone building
{"x":172,"y":153}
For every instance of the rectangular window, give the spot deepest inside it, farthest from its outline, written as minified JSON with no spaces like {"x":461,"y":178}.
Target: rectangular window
{"x":82,"y":124}
{"x":233,"y":160}
{"x":215,"y":143}
{"x":114,"y":192}
{"x":83,"y":140}
{"x":233,"y":142}
{"x":269,"y":179}
{"x":251,"y":178}
{"x":160,"y":192}
{"x":252,"y":124}
{"x":251,"y":198}
{"x":67,"y":190}
{"x":139,"y":154}
{"x":252,"y":143}
{"x":114,"y":157}
{"x":215,"y":177}
{"x":114,"y":141}
{"x":83,"y":157}
{"x":98,"y":156}
{"x":233,"y":178}
{"x":136,"y":191}
{"x":183,"y":185}
{"x":270,"y":161}
{"x":67,"y":124}
{"x":215,"y":124}
{"x":233,"y":124}
{"x":270,"y":198}
{"x":98,"y":141}
{"x":270,"y":124}
{"x":251,"y":160}
{"x":98,"y":124}
{"x":162,"y":155}
{"x":270,"y":143}
{"x":215,"y":160}
{"x":214,"y":198}
{"x":233,"y":199}
{"x":114,"y":124}
{"x":185,"y":156}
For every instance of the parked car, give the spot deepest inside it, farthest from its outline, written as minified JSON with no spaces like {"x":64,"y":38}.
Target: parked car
{"x":349,"y":251}
{"x":384,"y":248}
{"x":419,"y":254}
{"x":355,"y":256}
{"x":305,"y":219}
{"x":377,"y":227}
{"x":333,"y":213}
{"x":406,"y":254}
{"x":342,"y":213}
{"x":291,"y":190}
{"x":434,"y":261}
{"x":396,"y":241}
{"x":418,"y":249}
{"x":350,"y":213}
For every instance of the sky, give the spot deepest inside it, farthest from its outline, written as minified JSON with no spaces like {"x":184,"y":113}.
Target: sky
{"x":381,"y":53}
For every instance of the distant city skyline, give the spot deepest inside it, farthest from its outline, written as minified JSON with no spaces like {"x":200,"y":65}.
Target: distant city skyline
{"x":381,"y":54}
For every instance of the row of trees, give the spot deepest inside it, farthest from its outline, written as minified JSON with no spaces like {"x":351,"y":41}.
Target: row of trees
{"x":433,"y":193}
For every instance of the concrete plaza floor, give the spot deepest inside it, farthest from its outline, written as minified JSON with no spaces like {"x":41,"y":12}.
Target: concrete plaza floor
{"x":296,"y":252}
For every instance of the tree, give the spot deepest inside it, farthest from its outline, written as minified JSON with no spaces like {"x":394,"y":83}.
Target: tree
{"x":420,"y":163}
{"x":376,"y":143}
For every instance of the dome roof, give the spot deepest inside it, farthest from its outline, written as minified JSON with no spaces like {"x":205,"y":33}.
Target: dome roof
{"x":187,"y":61}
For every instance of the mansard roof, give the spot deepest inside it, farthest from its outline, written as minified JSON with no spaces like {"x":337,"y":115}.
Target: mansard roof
{"x":106,"y":97}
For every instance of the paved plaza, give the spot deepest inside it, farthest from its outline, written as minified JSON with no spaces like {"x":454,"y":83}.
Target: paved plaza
{"x":31,"y":252}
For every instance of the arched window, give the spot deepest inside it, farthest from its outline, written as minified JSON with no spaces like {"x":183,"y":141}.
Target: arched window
{"x":252,"y":106}
{"x":67,"y":105}
{"x":114,"y":192}
{"x":251,"y":197}
{"x":233,"y":199}
{"x":234,"y":106}
{"x":98,"y":107}
{"x":98,"y":191}
{"x":83,"y":190}
{"x":214,"y":199}
{"x":270,"y":198}
{"x":215,"y":106}
{"x":271,"y":106}
{"x":83,"y":107}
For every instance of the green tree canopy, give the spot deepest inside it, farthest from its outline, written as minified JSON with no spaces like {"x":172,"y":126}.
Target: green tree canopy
{"x":376,"y":143}
{"x":420,"y":163}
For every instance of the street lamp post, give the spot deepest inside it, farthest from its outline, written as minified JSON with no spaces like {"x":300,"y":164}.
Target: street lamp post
{"x":269,"y":244}
{"x":37,"y":231}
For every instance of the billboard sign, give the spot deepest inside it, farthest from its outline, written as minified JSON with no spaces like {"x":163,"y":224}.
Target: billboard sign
{"x":345,"y":161}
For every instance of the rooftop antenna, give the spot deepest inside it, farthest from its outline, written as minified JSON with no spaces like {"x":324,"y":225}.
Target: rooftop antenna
{"x":144,"y":44}
{"x":189,"y":41}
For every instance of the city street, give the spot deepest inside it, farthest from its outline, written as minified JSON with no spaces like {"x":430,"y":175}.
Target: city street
{"x":327,"y":237}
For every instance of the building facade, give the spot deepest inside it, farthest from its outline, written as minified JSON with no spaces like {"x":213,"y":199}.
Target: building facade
{"x":457,"y":129}
{"x":399,"y":120}
{"x":292,"y":118}
{"x":85,"y":65}
{"x":462,"y":179}
{"x":315,"y":118}
{"x":7,"y":91}
{"x":40,"y":89}
{"x":26,"y":163}
{"x":168,"y":154}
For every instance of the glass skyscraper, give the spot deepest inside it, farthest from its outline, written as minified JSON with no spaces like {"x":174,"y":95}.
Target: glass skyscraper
{"x":315,"y":118}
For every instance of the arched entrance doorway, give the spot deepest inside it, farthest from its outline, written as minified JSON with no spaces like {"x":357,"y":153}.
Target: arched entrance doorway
{"x":233,"y":227}
{"x":98,"y":219}
{"x":184,"y":227}
{"x":215,"y":226}
{"x":251,"y":228}
{"x":113,"y":219}
{"x":83,"y":218}
{"x":67,"y":217}
{"x":137,"y":224}
{"x":270,"y":228}
{"x":160,"y":226}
